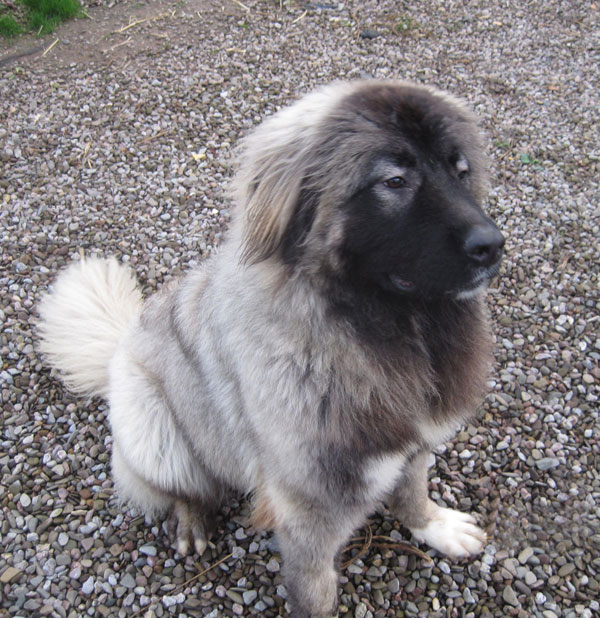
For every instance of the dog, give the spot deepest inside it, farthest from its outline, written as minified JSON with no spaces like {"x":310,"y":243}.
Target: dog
{"x":337,"y":337}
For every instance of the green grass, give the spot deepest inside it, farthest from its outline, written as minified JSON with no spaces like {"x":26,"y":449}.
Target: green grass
{"x":9,"y":26}
{"x":404,"y":24}
{"x":41,"y":16}
{"x":528,"y":159}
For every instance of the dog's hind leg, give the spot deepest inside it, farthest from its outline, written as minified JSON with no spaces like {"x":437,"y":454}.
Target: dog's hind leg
{"x":195,"y":522}
{"x":133,"y":489}
{"x":450,"y":532}
{"x":194,"y":516}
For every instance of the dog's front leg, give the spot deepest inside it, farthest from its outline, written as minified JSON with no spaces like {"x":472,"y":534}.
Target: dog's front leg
{"x":450,"y":532}
{"x":310,"y":541}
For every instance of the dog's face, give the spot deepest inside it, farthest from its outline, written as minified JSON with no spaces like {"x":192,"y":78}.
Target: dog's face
{"x":385,"y":194}
{"x":414,"y":225}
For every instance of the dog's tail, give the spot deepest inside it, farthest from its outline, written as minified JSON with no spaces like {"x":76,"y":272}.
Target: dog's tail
{"x":82,"y":319}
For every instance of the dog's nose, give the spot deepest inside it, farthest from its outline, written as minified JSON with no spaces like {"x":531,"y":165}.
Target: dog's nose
{"x":483,"y":244}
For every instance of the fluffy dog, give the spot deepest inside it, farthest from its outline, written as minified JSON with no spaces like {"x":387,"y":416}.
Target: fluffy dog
{"x":337,"y":337}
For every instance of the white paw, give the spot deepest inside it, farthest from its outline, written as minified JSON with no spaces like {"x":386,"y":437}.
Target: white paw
{"x":200,"y":545}
{"x":183,"y":546}
{"x":451,"y":532}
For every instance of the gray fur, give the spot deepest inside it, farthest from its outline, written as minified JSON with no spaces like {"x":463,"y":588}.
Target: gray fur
{"x":239,"y":376}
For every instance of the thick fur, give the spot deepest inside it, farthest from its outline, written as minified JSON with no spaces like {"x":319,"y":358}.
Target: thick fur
{"x":93,"y":303}
{"x":339,"y":335}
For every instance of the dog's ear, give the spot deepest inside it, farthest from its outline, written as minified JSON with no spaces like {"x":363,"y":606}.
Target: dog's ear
{"x":269,"y":182}
{"x":278,"y":161}
{"x":294,"y":238}
{"x":270,"y":200}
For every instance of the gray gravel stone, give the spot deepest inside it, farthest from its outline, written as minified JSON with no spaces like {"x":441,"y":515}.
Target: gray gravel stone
{"x":547,"y":463}
{"x":525,"y":554}
{"x":509,"y":596}
{"x":88,"y":586}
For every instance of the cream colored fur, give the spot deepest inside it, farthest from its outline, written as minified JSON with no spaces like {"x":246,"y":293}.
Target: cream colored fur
{"x":82,"y":321}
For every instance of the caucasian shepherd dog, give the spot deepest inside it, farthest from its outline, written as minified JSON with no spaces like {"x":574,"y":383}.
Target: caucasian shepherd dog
{"x":338,"y":336}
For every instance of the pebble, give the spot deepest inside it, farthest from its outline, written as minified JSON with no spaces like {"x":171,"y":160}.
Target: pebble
{"x":360,"y":611}
{"x":25,"y":501}
{"x":88,"y":586}
{"x":240,"y":534}
{"x":530,"y":578}
{"x":525,"y":554}
{"x":127,"y":581}
{"x":171,"y":601}
{"x":566,"y":569}
{"x":394,"y":585}
{"x":510,"y":597}
{"x":63,"y":539}
{"x":547,"y":463}
{"x":236,"y":597}
{"x":148,"y":550}
{"x":273,"y":565}
{"x":9,"y":574}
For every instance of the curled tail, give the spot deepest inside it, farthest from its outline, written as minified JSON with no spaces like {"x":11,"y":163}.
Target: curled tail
{"x":82,"y":319}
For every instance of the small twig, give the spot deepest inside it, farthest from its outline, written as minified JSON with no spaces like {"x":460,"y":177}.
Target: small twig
{"x":508,"y":150}
{"x":364,"y":543}
{"x":246,"y":8}
{"x":198,"y":575}
{"x":120,"y":44}
{"x":300,"y":18}
{"x":130,"y":25}
{"x":364,"y":549}
{"x":49,"y":48}
{"x":84,"y":154}
{"x":186,"y":583}
{"x":354,"y":15}
{"x":149,"y":138}
{"x":564,"y":262}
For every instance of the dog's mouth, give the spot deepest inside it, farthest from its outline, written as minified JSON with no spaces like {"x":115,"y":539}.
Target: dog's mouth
{"x":402,"y":284}
{"x":479,"y":283}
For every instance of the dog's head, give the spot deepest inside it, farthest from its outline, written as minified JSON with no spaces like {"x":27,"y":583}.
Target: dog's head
{"x":377,"y":184}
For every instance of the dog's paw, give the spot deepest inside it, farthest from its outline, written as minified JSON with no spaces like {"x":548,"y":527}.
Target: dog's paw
{"x":189,"y":527}
{"x":451,"y":532}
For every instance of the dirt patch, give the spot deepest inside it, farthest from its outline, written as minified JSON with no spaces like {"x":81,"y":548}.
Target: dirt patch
{"x":113,"y":35}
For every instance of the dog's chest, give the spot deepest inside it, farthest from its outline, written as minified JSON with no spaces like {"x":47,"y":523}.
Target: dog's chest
{"x":381,"y":474}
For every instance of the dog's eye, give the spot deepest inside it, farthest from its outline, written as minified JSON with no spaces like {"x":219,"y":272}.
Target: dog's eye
{"x":395,"y":183}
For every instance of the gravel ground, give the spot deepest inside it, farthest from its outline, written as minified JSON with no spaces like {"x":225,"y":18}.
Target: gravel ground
{"x":129,"y":154}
